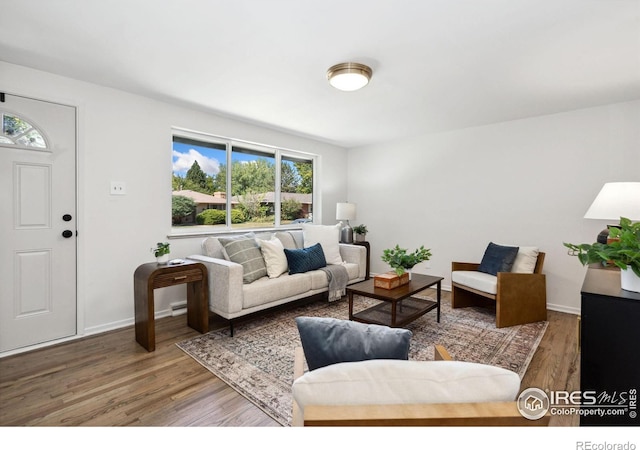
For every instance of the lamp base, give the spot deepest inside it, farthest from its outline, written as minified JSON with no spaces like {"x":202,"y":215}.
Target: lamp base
{"x":346,"y":234}
{"x":603,"y":236}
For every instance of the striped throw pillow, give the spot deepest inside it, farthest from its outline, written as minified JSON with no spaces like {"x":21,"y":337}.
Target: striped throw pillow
{"x":245,"y":251}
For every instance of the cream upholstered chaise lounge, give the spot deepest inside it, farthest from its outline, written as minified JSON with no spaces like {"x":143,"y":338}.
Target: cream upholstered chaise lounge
{"x":519,"y":294}
{"x":407,"y":393}
{"x":360,"y":375}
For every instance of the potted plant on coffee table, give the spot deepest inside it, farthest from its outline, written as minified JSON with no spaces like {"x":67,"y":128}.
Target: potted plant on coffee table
{"x":622,"y":249}
{"x":401,"y":261}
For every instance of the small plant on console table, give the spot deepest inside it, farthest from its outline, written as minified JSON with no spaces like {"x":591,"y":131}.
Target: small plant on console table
{"x":361,"y":232}
{"x":161,"y":252}
{"x":401,"y":261}
{"x":622,"y":249}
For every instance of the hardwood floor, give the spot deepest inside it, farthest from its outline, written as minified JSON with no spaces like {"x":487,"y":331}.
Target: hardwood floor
{"x":556,"y":363}
{"x":109,"y":379}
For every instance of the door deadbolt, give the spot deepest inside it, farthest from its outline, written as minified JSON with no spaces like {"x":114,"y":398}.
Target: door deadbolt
{"x":67,"y":217}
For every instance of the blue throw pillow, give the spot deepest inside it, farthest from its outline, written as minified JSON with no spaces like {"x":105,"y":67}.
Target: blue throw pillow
{"x":305,"y":259}
{"x":498,"y":258}
{"x":327,"y":341}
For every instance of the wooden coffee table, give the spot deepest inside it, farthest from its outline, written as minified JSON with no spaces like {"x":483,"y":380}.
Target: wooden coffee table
{"x":398,"y":307}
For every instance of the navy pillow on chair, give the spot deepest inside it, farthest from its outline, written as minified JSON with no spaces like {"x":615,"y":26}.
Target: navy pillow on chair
{"x":498,"y":258}
{"x":327,"y":341}
{"x":305,"y":259}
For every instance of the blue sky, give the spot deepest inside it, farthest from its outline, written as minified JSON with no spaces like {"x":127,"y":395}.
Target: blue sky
{"x":209,"y":159}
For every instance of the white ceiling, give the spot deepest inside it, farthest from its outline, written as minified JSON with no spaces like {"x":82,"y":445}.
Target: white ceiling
{"x":437,"y":64}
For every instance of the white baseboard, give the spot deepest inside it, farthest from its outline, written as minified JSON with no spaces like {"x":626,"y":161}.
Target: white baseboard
{"x":564,"y":309}
{"x":178,"y":308}
{"x":551,"y":306}
{"x":175,"y":309}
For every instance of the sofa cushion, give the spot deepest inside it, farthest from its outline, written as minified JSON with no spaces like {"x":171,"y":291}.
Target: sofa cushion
{"x":305,"y":259}
{"x":267,"y":290}
{"x":212,"y":248}
{"x":291,"y":239}
{"x":326,"y":235}
{"x":405,"y":382}
{"x":476,"y":280}
{"x":319,"y":279}
{"x":274,"y":257}
{"x":328,"y":341}
{"x":497,"y":258}
{"x":244,"y":250}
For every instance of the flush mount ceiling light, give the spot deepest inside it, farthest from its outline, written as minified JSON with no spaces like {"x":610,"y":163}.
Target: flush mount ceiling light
{"x":349,"y":76}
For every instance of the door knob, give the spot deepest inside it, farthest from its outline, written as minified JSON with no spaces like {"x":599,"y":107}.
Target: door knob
{"x":67,"y":233}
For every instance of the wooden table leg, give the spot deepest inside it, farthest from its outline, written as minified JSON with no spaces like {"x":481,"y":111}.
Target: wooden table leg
{"x":144,"y":315}
{"x":439,"y":290}
{"x":393,"y":312}
{"x":350,"y":305}
{"x":197,"y":308}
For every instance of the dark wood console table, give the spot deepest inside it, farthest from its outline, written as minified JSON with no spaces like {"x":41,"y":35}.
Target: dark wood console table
{"x":609,"y":348}
{"x":150,"y":276}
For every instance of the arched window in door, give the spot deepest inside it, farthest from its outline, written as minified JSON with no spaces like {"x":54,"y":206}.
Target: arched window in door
{"x":19,"y":132}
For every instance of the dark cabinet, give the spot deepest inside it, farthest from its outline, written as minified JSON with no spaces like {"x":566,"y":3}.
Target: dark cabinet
{"x":610,"y":351}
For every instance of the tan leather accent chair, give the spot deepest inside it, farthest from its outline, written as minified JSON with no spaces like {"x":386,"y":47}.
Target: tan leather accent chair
{"x":519,"y":298}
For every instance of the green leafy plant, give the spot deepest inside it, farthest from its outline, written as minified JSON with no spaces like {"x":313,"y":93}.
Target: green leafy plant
{"x":400,"y":260}
{"x":162,"y":248}
{"x":181,"y":206}
{"x":360,"y":229}
{"x":211,"y":217}
{"x":623,"y":248}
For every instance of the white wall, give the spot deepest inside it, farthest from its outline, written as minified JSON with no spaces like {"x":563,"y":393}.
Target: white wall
{"x":125,"y":137}
{"x":527,"y":182}
{"x":524,"y":182}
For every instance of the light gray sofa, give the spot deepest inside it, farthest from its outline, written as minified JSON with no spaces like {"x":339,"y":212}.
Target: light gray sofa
{"x":231,"y":298}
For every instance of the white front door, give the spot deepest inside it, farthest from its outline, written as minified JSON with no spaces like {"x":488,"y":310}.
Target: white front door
{"x":38,"y":222}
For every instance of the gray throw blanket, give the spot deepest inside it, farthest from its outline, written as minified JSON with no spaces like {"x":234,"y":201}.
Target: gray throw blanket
{"x":338,"y":277}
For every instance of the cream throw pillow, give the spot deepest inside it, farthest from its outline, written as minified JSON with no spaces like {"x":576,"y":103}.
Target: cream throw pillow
{"x":274,"y":257}
{"x":525,"y":260}
{"x":328,"y":236}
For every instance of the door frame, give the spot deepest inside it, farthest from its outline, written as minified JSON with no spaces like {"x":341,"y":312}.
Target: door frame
{"x":79,"y":203}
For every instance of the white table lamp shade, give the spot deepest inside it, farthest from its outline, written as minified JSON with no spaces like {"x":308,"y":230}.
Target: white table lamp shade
{"x":616,"y":200}
{"x":345,"y":211}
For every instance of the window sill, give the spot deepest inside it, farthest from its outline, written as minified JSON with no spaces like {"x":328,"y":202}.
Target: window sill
{"x":204,"y":232}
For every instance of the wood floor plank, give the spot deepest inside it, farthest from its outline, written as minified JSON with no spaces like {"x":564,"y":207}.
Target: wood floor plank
{"x":555,"y":365}
{"x":110,"y":380}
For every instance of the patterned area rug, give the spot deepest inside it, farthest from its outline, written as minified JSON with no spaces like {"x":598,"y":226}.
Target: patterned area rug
{"x":258,"y":361}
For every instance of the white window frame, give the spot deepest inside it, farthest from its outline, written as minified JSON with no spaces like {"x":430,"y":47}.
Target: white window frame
{"x":276,"y":151}
{"x":14,"y":139}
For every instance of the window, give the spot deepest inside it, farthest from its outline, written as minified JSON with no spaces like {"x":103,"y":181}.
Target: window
{"x":268,"y":187}
{"x":296,"y":189}
{"x":17,"y":131}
